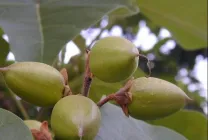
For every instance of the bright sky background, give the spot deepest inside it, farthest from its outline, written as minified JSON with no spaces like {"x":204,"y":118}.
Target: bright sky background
{"x":146,"y":40}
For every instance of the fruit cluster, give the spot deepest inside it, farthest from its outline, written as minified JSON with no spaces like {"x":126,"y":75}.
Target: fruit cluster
{"x":111,"y":59}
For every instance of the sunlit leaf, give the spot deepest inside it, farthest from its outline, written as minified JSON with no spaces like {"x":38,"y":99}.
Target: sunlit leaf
{"x":186,"y":19}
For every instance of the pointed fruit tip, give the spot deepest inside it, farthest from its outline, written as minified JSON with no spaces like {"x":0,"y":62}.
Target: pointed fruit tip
{"x":189,"y":100}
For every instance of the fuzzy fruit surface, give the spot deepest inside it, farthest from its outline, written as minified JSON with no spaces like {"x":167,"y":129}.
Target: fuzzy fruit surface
{"x":113,"y":59}
{"x":154,"y":98}
{"x":75,"y":117}
{"x":34,"y":82}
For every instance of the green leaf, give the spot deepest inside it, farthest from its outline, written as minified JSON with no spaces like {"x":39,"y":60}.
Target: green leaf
{"x":39,"y":29}
{"x":191,"y":124}
{"x":12,"y":127}
{"x":186,"y":19}
{"x":80,"y":42}
{"x":1,"y":32}
{"x":116,"y":126}
{"x":4,"y":50}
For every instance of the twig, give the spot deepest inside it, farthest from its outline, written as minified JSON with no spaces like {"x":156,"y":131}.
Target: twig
{"x":88,"y":77}
{"x":122,"y":97}
{"x":105,"y":100}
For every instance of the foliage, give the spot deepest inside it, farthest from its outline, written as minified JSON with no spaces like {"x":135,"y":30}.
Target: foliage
{"x":13,"y":125}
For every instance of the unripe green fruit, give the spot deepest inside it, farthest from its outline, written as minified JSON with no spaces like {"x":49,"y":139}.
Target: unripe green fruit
{"x":75,"y":117}
{"x":113,"y":59}
{"x":39,"y":130}
{"x":154,"y":98}
{"x":75,"y":67}
{"x":33,"y":124}
{"x":34,"y":82}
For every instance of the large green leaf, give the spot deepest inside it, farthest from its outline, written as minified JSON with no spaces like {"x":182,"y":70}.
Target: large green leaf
{"x":116,"y":126}
{"x":12,"y":127}
{"x":39,"y":29}
{"x":186,"y":19}
{"x":191,"y":124}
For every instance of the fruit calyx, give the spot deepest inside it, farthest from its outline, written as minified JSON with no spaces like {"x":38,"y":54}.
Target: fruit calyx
{"x":67,"y":90}
{"x":43,"y":133}
{"x":122,"y":97}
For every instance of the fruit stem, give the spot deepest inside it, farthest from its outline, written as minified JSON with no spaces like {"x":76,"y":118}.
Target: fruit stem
{"x":19,"y":106}
{"x":122,"y":97}
{"x":105,"y":100}
{"x":148,"y":63}
{"x":88,"y":76}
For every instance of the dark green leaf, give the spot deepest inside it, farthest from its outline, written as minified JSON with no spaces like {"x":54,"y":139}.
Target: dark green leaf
{"x":186,"y":19}
{"x":116,"y":126}
{"x":1,"y":32}
{"x":39,"y":29}
{"x":12,"y":127}
{"x":80,"y":42}
{"x":191,"y":124}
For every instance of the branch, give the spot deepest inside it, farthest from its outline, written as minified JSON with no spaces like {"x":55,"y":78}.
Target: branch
{"x":88,"y":77}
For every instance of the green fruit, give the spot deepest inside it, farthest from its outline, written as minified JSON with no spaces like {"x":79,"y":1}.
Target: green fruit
{"x":75,"y":67}
{"x":75,"y":117}
{"x":34,"y":82}
{"x":113,"y":59}
{"x":154,"y":98}
{"x":39,"y":130}
{"x":33,"y":124}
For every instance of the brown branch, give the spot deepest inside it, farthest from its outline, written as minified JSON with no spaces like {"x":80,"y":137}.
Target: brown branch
{"x":105,"y":100}
{"x":122,"y":97}
{"x":88,"y":76}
